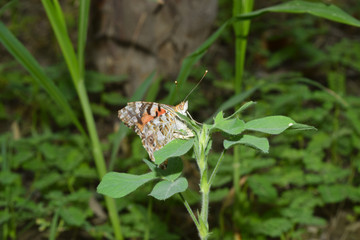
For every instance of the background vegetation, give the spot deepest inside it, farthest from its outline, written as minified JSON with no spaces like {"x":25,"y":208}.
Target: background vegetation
{"x":300,"y":66}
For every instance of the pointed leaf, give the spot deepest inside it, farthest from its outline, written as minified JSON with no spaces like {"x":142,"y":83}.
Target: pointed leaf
{"x":319,"y":9}
{"x":301,"y":127}
{"x":242,"y":108}
{"x":152,"y":166}
{"x":256,"y":142}
{"x":236,"y":99}
{"x":232,"y":126}
{"x":117,"y":185}
{"x":270,"y":125}
{"x":165,"y":189}
{"x":175,"y":148}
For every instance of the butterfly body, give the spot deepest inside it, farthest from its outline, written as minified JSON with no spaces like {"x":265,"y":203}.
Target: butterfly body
{"x":156,"y":124}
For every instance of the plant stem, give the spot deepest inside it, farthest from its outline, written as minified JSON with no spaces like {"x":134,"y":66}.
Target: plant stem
{"x":213,"y":174}
{"x":54,"y":225}
{"x":98,"y":156}
{"x":201,"y":160}
{"x":188,"y":208}
{"x":76,"y":68}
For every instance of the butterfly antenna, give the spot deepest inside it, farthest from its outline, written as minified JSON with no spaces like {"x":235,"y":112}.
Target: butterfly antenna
{"x":206,"y":71}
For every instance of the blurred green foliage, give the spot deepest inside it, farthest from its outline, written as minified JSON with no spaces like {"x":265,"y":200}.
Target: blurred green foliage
{"x":297,"y":65}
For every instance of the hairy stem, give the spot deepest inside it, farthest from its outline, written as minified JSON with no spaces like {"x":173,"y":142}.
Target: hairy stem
{"x":204,"y":181}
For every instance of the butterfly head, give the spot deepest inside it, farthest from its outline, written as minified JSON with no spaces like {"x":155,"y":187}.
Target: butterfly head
{"x":182,"y":107}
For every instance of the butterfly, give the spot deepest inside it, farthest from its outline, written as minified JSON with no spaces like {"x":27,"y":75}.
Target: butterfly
{"x":156,"y":124}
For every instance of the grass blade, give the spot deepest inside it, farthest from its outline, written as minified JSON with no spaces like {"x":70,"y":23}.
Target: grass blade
{"x":319,"y":9}
{"x":190,"y":60}
{"x":83,"y":25}
{"x":141,"y":90}
{"x":18,"y":50}
{"x":56,"y":19}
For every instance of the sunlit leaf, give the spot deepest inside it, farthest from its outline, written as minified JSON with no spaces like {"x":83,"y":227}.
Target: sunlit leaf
{"x":242,"y":108}
{"x":270,"y":125}
{"x":117,"y":185}
{"x":165,"y":189}
{"x":232,"y":126}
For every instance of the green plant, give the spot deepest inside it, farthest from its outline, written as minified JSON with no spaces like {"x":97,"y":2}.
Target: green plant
{"x":306,"y":174}
{"x":76,"y":67}
{"x":318,"y":9}
{"x":118,"y":185}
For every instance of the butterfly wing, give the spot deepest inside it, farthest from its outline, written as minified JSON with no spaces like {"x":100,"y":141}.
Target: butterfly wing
{"x":156,"y":124}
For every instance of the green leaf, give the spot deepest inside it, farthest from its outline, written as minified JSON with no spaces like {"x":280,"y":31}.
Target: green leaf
{"x":319,"y":9}
{"x":152,"y":166}
{"x":242,"y":108}
{"x":261,"y":186}
{"x":218,"y":195}
{"x":49,"y":180}
{"x":334,"y":193}
{"x":274,"y":227}
{"x":354,"y":193}
{"x":232,"y":126}
{"x":165,"y":189}
{"x":117,"y":185}
{"x":261,"y":144}
{"x":299,"y":126}
{"x":175,"y":148}
{"x":73,"y":216}
{"x":250,"y":165}
{"x":270,"y":125}
{"x":235,"y":100}
{"x":302,"y":215}
{"x":7,"y":177}
{"x":83,"y":27}
{"x":94,"y":86}
{"x":56,"y":18}
{"x":172,"y":171}
{"x":100,"y":110}
{"x":141,"y":90}
{"x":113,"y":98}
{"x":5,"y":216}
{"x":287,"y":175}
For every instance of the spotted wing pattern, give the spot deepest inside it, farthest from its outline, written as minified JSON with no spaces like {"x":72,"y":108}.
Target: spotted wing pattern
{"x":156,"y":124}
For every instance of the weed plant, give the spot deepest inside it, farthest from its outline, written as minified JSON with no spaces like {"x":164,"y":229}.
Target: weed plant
{"x":50,"y":173}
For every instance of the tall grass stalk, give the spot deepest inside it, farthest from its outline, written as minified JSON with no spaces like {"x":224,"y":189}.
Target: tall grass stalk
{"x":77,"y":68}
{"x":241,"y":30}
